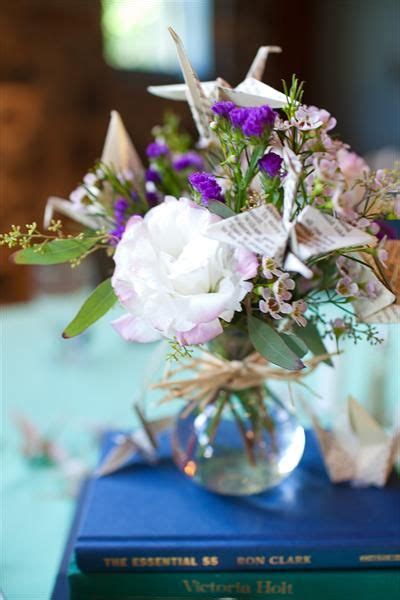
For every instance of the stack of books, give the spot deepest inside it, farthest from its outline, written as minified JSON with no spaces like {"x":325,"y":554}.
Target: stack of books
{"x":148,"y":532}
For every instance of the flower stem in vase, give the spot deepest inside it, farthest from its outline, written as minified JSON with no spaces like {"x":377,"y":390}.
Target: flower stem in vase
{"x":248,"y":436}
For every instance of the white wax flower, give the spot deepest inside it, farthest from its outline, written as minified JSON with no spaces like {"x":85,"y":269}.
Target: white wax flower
{"x":173,"y":280}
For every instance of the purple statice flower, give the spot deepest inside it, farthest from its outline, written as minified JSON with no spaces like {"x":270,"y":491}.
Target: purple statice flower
{"x":152,"y":195}
{"x":270,"y":164}
{"x":222,"y":109}
{"x":238,"y":116}
{"x":187,"y":161}
{"x":152,"y":175}
{"x":120,"y":207}
{"x":207,"y":186}
{"x":258,"y":120}
{"x":157,"y":149}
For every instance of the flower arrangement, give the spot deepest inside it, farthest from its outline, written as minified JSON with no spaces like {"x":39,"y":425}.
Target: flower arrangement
{"x":270,"y":219}
{"x":240,"y":242}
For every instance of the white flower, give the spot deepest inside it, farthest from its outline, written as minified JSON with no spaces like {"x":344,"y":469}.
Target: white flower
{"x":173,"y":280}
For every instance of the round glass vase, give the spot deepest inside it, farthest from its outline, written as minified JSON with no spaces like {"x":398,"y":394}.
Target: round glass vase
{"x":244,"y":441}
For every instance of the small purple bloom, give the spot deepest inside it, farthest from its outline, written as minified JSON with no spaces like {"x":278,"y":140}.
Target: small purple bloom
{"x":187,"y":161}
{"x":222,"y":109}
{"x":120,"y":206}
{"x":238,"y":116}
{"x":207,"y":186}
{"x":270,"y":163}
{"x":120,"y":217}
{"x":152,"y":175}
{"x":157,"y":149}
{"x":258,"y":120}
{"x":152,"y":197}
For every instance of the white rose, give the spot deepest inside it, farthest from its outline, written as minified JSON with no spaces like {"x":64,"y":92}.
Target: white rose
{"x":173,"y":280}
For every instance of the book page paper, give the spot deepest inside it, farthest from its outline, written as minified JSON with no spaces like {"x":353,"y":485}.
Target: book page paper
{"x":358,"y":449}
{"x":388,"y":309}
{"x":318,"y":233}
{"x":260,"y":230}
{"x":196,"y":98}
{"x":119,"y":151}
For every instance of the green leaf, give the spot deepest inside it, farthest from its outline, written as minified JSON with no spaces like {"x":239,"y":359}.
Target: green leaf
{"x":54,"y":252}
{"x":295,"y":344}
{"x":99,"y":302}
{"x":312,"y":338}
{"x":270,"y":344}
{"x":220,"y":209}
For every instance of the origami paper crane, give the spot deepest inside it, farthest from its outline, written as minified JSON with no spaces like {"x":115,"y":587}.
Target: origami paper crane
{"x":142,"y":440}
{"x":41,"y":449}
{"x":200,"y":96}
{"x":385,"y":308}
{"x":119,"y":153}
{"x":358,"y":450}
{"x":264,"y":231}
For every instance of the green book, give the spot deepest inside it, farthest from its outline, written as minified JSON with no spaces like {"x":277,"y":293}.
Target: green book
{"x":299,"y":585}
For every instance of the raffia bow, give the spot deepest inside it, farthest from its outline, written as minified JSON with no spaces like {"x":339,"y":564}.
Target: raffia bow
{"x":211,"y":374}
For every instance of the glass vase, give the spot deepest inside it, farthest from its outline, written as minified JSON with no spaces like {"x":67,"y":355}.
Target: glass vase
{"x":244,"y":441}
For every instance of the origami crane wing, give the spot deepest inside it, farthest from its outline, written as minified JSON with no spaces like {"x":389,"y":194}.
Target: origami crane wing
{"x":119,"y":151}
{"x":67,"y":208}
{"x":385,"y":308}
{"x":252,"y":92}
{"x":198,"y":102}
{"x":178,"y":91}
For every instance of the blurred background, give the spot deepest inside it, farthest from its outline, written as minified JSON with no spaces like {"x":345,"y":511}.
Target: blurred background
{"x":64,"y":65}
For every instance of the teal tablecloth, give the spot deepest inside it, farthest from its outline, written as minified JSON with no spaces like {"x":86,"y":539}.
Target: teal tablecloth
{"x":70,"y":388}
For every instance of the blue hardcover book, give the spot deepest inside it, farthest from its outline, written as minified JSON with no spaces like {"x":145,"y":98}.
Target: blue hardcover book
{"x":152,"y":518}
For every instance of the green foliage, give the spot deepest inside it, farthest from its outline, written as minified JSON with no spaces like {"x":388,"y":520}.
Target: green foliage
{"x":313,"y":340}
{"x":98,"y":304}
{"x":174,"y":136}
{"x":272,"y":346}
{"x":55,"y":252}
{"x":178,"y":351}
{"x":294,"y":96}
{"x":295,"y":343}
{"x":220,"y":209}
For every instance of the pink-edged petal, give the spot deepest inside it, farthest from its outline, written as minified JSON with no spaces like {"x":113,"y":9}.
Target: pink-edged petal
{"x":246,"y":262}
{"x":204,"y":332}
{"x":135,"y":329}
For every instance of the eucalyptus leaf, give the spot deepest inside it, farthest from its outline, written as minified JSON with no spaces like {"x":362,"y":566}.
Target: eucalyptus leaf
{"x":99,"y":302}
{"x":220,"y":209}
{"x":54,"y":252}
{"x":312,"y":338}
{"x":295,"y":343}
{"x":271,"y":345}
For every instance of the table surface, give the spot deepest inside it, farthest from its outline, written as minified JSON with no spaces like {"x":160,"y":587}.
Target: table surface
{"x":72,"y":389}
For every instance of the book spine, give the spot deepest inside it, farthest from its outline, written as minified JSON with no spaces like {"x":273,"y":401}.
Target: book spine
{"x":329,"y":585}
{"x":205,"y":557}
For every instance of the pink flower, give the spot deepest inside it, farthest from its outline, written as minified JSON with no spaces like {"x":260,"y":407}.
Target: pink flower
{"x":272,"y":305}
{"x":347,"y":287}
{"x":282,"y":287}
{"x":270,"y":268}
{"x":311,"y":117}
{"x":173,"y":280}
{"x":352,"y":166}
{"x":299,"y":307}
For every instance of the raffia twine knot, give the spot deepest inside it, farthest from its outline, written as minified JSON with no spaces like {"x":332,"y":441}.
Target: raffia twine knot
{"x":211,"y":374}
